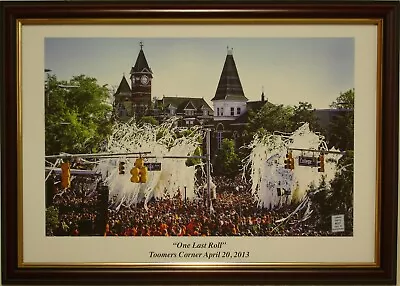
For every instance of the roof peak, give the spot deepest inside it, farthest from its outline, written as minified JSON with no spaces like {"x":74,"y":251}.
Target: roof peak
{"x":229,"y":85}
{"x":123,"y":88}
{"x":141,"y":65}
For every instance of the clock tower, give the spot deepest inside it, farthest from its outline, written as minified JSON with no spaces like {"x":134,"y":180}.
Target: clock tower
{"x":141,"y":77}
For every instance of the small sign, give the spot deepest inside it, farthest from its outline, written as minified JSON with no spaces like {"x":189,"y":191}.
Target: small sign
{"x":282,"y":192}
{"x":338,"y":223}
{"x":153,"y":166}
{"x":307,"y":161}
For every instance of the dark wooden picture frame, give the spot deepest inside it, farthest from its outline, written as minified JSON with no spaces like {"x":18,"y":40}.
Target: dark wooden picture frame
{"x":383,"y":272}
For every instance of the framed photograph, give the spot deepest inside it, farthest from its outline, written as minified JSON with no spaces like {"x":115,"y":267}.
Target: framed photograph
{"x":153,"y":142}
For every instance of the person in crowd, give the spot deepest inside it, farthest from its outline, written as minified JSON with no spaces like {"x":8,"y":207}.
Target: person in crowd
{"x":236,"y":213}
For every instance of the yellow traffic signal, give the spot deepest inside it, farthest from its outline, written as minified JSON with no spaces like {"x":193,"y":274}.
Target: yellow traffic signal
{"x":135,"y":172}
{"x":139,"y":163}
{"x":289,"y":162}
{"x":139,"y":172}
{"x":65,"y":175}
{"x":143,"y":175}
{"x":321,"y":163}
{"x":121,"y":168}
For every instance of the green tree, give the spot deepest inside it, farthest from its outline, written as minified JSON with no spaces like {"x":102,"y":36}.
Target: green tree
{"x":271,"y":118}
{"x":341,"y":128}
{"x":338,"y":198}
{"x":322,"y":207}
{"x":77,"y":115}
{"x":342,"y":192}
{"x":345,"y":100}
{"x":303,"y":113}
{"x":227,"y":161}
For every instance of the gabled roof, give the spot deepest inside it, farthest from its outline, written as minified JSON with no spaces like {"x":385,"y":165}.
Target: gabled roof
{"x":229,"y":85}
{"x":141,"y":64}
{"x":123,"y":88}
{"x":190,"y":105}
{"x":182,"y":103}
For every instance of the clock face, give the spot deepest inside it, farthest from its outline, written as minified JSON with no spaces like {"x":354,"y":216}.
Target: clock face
{"x":144,"y":79}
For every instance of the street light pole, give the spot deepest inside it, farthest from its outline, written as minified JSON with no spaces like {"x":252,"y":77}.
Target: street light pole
{"x":208,"y":142}
{"x":46,"y":88}
{"x":185,"y":194}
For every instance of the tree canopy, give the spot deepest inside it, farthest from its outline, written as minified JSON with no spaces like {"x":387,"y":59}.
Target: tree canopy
{"x":77,"y":115}
{"x":271,"y":118}
{"x":345,"y":100}
{"x":304,"y":112}
{"x":227,"y":161}
{"x":341,"y":128}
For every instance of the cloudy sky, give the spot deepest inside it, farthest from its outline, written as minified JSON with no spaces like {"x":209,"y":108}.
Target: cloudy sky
{"x":289,"y":69}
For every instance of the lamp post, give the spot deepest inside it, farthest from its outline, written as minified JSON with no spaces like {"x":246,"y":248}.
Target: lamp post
{"x":185,"y":194}
{"x":46,"y":87}
{"x":208,"y":166}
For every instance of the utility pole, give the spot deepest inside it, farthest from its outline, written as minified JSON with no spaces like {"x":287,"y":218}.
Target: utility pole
{"x":208,"y":169}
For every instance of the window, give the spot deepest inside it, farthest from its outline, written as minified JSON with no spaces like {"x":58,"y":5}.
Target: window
{"x":219,"y":139}
{"x":218,"y":111}
{"x":222,"y":111}
{"x":205,"y":112}
{"x":232,"y":111}
{"x":238,"y":110}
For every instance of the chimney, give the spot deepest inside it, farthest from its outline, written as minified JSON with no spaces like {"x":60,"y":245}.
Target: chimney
{"x":262,"y":94}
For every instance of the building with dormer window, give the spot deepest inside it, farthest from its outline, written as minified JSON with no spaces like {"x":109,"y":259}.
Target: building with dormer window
{"x":227,"y":118}
{"x":189,"y":110}
{"x":135,"y":100}
{"x":231,"y":106}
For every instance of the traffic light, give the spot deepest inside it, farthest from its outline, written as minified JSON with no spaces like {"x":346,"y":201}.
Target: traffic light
{"x":65,"y":175}
{"x":121,"y":168}
{"x":135,"y":172}
{"x":289,"y":162}
{"x":143,"y":174}
{"x":321,"y":163}
{"x":139,"y":172}
{"x":139,"y":163}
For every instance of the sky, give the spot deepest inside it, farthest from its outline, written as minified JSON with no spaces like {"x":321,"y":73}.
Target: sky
{"x":289,"y":70}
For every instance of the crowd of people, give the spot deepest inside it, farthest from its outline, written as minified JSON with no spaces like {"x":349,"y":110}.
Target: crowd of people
{"x":234,"y":212}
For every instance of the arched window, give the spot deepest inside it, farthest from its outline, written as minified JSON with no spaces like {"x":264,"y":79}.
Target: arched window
{"x":219,"y":130}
